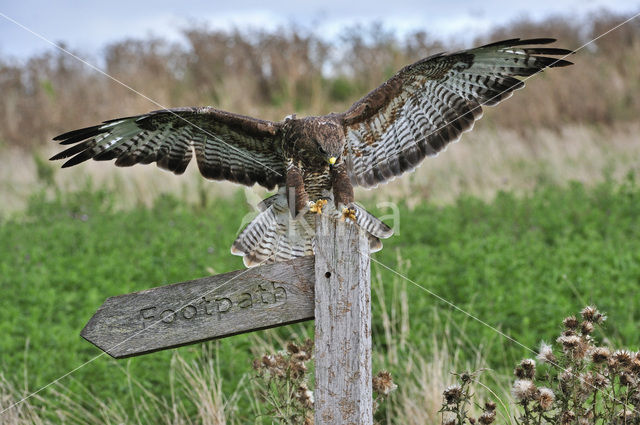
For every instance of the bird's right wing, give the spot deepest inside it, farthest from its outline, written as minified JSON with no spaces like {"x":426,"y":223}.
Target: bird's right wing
{"x":227,"y":146}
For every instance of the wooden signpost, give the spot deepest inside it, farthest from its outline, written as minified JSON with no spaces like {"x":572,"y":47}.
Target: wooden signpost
{"x":333,"y":287}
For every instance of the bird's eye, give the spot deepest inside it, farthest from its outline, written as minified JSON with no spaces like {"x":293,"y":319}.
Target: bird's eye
{"x":321,"y":150}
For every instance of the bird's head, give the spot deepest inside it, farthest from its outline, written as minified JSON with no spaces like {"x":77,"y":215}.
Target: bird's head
{"x":318,"y":141}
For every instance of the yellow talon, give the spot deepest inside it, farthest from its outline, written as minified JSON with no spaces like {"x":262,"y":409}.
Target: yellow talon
{"x":348,"y":214}
{"x":316,"y":207}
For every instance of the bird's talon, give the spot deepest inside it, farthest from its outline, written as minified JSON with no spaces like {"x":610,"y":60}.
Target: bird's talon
{"x":348,"y":214}
{"x":317,"y":206}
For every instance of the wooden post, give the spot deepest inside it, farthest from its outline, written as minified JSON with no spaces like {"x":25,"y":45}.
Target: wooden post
{"x":343,"y":392}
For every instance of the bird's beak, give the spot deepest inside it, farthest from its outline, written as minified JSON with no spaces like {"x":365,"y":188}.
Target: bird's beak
{"x":332,"y":160}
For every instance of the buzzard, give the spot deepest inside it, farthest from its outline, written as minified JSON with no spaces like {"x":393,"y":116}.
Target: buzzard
{"x":316,"y":161}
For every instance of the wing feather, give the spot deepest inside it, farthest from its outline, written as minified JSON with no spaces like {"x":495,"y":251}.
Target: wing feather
{"x":227,"y":146}
{"x":429,"y":104}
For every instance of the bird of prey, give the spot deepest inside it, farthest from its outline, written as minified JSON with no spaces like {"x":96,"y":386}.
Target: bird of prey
{"x":316,"y":161}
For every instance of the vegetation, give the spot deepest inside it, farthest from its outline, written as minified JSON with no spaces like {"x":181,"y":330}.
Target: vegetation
{"x":582,"y":381}
{"x":516,"y":263}
{"x":273,"y":74}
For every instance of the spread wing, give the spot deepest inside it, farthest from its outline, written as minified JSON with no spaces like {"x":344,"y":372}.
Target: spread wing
{"x":227,"y":146}
{"x":429,"y":104}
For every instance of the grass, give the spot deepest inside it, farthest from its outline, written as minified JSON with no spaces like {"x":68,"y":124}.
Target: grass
{"x":517,"y":262}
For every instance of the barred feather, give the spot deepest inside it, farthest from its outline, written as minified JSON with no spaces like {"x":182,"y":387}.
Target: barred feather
{"x":227,"y":146}
{"x":429,"y":104}
{"x":275,"y":236}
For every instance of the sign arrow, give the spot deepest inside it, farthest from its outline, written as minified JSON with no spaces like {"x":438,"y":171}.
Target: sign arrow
{"x":208,"y":308}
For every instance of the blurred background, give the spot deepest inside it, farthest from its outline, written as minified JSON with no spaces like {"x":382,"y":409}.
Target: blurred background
{"x":270,"y":62}
{"x":531,"y":216}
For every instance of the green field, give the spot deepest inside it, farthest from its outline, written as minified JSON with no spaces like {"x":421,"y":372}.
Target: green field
{"x":518,"y":263}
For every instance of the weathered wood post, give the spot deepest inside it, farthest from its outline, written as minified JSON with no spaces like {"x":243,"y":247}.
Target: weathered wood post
{"x":343,"y":392}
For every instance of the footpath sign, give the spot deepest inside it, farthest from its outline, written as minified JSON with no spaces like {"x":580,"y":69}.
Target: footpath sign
{"x":333,"y":287}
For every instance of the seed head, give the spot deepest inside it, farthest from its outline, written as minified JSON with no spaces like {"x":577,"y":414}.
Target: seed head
{"x":573,"y":346}
{"x":257,"y":363}
{"x":526,"y":369}
{"x":570,"y":322}
{"x":600,"y":355}
{"x":298,"y":369}
{"x":383,"y":383}
{"x":587,"y":385}
{"x":568,"y":417}
{"x":546,"y":397}
{"x":302,"y":356}
{"x":623,"y":357}
{"x":635,"y":365}
{"x":490,"y":405}
{"x":305,"y":396}
{"x":566,"y":378}
{"x":487,"y":417}
{"x":586,"y":327}
{"x":591,"y":314}
{"x":545,"y":354}
{"x":523,"y":390}
{"x":569,"y":342}
{"x":452,"y":394}
{"x":292,"y":348}
{"x":268,"y":360}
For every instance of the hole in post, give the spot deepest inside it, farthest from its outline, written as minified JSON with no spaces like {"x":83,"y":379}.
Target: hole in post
{"x":327,"y":275}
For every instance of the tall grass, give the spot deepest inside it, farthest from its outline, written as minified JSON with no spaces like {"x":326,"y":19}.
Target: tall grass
{"x":272,"y":74}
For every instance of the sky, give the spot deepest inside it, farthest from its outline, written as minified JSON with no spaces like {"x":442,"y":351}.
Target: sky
{"x":88,"y":26}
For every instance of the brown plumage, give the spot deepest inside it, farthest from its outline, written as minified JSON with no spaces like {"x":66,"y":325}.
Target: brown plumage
{"x":416,"y":113}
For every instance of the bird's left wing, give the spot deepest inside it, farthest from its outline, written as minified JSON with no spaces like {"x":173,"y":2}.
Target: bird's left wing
{"x":429,"y":104}
{"x":227,"y":146}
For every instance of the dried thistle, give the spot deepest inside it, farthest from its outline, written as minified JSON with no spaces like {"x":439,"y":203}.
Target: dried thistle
{"x":585,"y":384}
{"x":383,"y":383}
{"x":546,"y":397}
{"x":452,"y":394}
{"x":524,"y":390}
{"x":526,"y":369}
{"x":457,"y":400}
{"x":570,"y":322}
{"x":545,"y":354}
{"x":586,"y":327}
{"x":623,"y":358}
{"x":600,"y":355}
{"x":591,"y":314}
{"x":282,"y":384}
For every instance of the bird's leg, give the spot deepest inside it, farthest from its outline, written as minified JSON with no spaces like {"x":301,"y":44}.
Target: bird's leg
{"x":297,"y":196}
{"x":342,"y":191}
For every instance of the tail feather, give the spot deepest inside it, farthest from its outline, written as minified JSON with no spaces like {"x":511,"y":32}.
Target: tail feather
{"x":372,"y":224}
{"x":275,"y":236}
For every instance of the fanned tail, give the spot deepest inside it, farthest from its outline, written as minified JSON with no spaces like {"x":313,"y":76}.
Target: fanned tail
{"x":275,"y":236}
